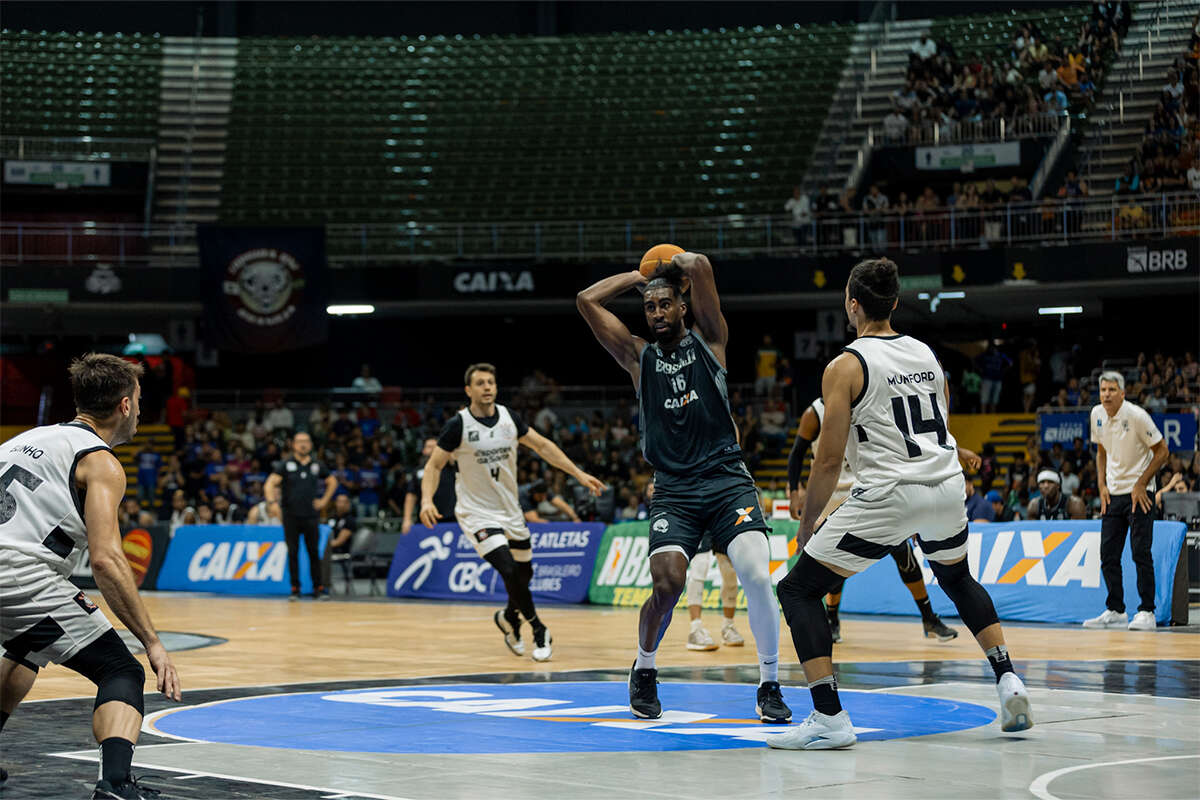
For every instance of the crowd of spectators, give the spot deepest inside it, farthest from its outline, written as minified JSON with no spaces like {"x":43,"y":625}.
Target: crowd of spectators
{"x":375,"y":448}
{"x":1034,"y":79}
{"x":990,"y":382}
{"x":1167,"y":157}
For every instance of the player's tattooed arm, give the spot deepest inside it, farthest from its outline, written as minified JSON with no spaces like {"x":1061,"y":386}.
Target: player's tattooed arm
{"x":705,"y":302}
{"x":607,"y":327}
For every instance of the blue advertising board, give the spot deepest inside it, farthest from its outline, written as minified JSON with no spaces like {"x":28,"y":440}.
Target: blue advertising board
{"x":441,"y":563}
{"x":1178,"y":430}
{"x":1033,"y":570}
{"x":233,"y":559}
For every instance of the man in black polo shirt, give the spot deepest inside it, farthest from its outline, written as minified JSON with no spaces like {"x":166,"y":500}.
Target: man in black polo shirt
{"x":295,"y":482}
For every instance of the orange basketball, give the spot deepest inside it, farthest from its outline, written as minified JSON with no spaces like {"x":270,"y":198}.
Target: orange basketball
{"x":657,"y":256}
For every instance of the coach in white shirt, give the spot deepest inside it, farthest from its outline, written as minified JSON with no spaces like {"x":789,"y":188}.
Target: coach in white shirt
{"x":1129,"y":451}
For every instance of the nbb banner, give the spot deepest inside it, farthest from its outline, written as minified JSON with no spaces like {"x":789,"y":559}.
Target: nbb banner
{"x":622,"y":574}
{"x":1178,"y":430}
{"x":1036,"y":571}
{"x":233,"y":559}
{"x":441,"y":563}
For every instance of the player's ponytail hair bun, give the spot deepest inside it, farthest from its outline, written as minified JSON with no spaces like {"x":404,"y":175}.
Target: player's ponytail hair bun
{"x":669,"y":274}
{"x":875,"y":284}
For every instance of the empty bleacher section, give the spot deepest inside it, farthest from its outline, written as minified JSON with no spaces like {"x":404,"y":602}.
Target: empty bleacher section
{"x":80,"y":84}
{"x":469,"y":129}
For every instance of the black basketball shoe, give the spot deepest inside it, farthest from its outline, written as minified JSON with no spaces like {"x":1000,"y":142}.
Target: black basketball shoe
{"x":936,"y":629}
{"x":129,"y":790}
{"x":643,"y":693}
{"x":770,"y":706}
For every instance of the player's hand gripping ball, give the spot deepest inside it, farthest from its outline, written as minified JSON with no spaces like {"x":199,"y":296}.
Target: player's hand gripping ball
{"x":657,"y":256}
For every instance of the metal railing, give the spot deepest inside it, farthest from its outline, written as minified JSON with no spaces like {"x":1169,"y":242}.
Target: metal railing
{"x":1049,"y":221}
{"x":76,"y":148}
{"x":1029,"y":126}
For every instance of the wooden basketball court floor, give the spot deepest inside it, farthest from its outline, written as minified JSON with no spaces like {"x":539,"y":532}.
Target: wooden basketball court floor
{"x":421,"y":701}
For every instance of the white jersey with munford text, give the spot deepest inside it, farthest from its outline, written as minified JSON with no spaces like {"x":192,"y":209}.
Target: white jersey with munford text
{"x":846,"y":478}
{"x":41,"y":509}
{"x":487,"y":475}
{"x":898,"y":430}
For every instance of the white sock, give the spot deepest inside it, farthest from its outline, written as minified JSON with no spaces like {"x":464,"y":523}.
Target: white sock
{"x":697,"y":624}
{"x":645,"y":660}
{"x":768,"y":668}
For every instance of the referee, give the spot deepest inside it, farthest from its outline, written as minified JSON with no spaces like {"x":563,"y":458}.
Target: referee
{"x":1129,"y":451}
{"x":295,"y":482}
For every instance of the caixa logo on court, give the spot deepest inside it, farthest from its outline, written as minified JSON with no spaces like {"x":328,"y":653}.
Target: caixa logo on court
{"x":1143,"y":259}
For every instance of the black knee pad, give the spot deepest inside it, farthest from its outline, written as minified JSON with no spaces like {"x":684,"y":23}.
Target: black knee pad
{"x":800,"y":595}
{"x":973,"y":602}
{"x":906,"y":563}
{"x":503,"y":562}
{"x":108,"y":663}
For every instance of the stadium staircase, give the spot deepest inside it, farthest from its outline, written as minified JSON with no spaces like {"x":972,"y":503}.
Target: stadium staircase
{"x":845,"y":126}
{"x":195,"y":97}
{"x":159,"y":438}
{"x":1110,"y":143}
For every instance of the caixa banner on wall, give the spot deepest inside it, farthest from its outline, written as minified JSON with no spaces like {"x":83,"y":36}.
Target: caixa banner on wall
{"x":1178,"y":430}
{"x":441,"y":563}
{"x":1035,"y":571}
{"x":233,"y":559}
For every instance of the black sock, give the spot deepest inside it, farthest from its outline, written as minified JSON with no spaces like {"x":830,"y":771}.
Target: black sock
{"x":513,"y":617}
{"x":825,"y":696}
{"x":926,"y":609}
{"x":537,"y":625}
{"x":116,"y":754}
{"x":831,"y":611}
{"x":3,"y":719}
{"x":998,"y":658}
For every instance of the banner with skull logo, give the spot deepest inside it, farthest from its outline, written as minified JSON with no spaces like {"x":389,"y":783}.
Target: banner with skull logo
{"x":265,"y":289}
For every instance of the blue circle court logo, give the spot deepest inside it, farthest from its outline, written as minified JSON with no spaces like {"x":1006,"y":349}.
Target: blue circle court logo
{"x":538,"y":718}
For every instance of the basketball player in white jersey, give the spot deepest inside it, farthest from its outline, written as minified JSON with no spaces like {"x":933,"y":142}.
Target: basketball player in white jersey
{"x":886,"y":398}
{"x":483,"y":438}
{"x":809,"y":433}
{"x":59,"y":490}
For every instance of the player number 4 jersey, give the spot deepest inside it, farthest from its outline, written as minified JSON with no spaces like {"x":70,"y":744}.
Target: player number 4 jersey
{"x":41,"y":510}
{"x":487,"y":474}
{"x":898,"y":428}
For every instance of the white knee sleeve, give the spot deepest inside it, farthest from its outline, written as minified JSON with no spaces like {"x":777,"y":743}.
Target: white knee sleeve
{"x":697,"y":574}
{"x":729,"y":582}
{"x":751,"y":556}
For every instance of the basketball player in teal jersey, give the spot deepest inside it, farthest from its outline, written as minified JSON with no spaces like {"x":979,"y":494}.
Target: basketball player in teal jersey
{"x":700,"y":480}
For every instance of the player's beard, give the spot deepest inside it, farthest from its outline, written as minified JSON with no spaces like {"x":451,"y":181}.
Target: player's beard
{"x":673,"y":333}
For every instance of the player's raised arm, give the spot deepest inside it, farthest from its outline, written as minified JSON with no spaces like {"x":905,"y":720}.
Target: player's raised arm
{"x":607,"y":327}
{"x":839,"y":385}
{"x":705,"y":303}
{"x":555,"y":457}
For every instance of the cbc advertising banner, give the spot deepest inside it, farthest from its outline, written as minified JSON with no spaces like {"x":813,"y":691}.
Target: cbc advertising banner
{"x":441,"y":563}
{"x":1034,"y":571}
{"x":1179,"y":430}
{"x":233,"y":559}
